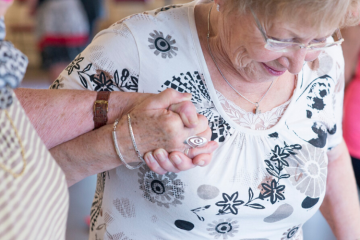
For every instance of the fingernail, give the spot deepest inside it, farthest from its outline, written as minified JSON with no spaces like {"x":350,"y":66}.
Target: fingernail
{"x":201,"y":163}
{"x":149,"y":157}
{"x":176,"y":159}
{"x":161,"y":155}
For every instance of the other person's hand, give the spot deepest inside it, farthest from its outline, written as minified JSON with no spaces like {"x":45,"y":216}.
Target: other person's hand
{"x":163,"y":122}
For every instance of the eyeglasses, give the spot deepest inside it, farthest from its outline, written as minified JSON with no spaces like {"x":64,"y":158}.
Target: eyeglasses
{"x":280,"y":46}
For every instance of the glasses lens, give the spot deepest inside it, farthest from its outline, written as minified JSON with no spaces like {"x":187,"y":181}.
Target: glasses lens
{"x":281,"y":46}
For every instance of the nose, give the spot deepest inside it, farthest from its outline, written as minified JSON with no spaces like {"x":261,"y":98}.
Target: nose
{"x":294,"y":61}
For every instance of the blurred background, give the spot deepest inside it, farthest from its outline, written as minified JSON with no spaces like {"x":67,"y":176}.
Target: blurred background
{"x":22,"y":31}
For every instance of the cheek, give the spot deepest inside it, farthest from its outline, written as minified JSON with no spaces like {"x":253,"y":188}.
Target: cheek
{"x":257,"y":55}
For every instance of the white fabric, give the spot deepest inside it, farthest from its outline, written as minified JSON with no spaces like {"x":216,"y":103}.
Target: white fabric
{"x":261,"y":184}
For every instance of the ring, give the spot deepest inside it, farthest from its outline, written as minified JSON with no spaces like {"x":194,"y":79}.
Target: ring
{"x":195,"y":141}
{"x":186,"y":152}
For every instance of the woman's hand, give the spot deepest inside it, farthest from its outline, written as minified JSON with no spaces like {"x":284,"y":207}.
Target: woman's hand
{"x":161,"y":124}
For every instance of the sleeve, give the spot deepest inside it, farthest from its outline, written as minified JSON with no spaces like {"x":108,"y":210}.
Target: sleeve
{"x":336,"y":134}
{"x":109,"y":63}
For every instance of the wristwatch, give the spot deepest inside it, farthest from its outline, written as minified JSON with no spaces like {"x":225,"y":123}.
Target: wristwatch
{"x":101,"y":109}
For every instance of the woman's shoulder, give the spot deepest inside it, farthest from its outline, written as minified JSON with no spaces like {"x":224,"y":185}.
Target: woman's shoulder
{"x":171,"y":17}
{"x":167,"y":14}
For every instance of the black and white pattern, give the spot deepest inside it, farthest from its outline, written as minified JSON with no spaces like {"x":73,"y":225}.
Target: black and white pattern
{"x":164,"y":190}
{"x":318,"y":108}
{"x":12,"y":70}
{"x":12,"y":65}
{"x":193,"y":83}
{"x":75,"y":64}
{"x":98,"y":199}
{"x":163,"y":9}
{"x":58,"y":83}
{"x":6,"y":97}
{"x":164,"y":45}
{"x":223,"y":228}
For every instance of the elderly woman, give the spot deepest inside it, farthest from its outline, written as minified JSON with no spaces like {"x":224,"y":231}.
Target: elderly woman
{"x":269,"y":78}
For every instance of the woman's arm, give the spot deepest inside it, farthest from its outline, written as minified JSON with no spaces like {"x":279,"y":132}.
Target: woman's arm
{"x":341,"y":204}
{"x":61,"y":115}
{"x":154,"y":127}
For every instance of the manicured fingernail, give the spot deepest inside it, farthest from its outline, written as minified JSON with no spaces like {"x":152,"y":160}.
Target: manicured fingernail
{"x":201,"y":163}
{"x":176,"y":159}
{"x":161,"y":155}
{"x":149,"y":157}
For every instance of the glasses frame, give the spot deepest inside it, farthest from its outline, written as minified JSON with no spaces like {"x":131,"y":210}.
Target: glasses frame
{"x":338,"y":40}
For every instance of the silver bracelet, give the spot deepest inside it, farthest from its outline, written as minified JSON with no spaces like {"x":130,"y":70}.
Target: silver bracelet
{"x":118,"y":150}
{"x":133,"y":140}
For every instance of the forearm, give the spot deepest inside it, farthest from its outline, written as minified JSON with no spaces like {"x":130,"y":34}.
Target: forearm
{"x":341,"y":205}
{"x":93,"y":153}
{"x":61,"y":115}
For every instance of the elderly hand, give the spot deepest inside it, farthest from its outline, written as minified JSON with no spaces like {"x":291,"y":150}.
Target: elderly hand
{"x":163,"y":122}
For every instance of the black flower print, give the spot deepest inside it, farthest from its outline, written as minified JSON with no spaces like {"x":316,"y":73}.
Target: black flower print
{"x":126,"y":81}
{"x":163,"y":9}
{"x":103,"y":83}
{"x":273,"y":191}
{"x":97,"y":203}
{"x":58,"y":83}
{"x":291,"y":233}
{"x":194,"y":84}
{"x":279,"y":155}
{"x":164,"y":190}
{"x":223,"y":228}
{"x":74,"y":64}
{"x":230,"y":203}
{"x":163,"y":45}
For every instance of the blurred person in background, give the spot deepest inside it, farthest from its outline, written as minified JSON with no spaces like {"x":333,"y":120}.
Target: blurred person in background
{"x":62,"y":30}
{"x":94,"y":10}
{"x":351,"y":120}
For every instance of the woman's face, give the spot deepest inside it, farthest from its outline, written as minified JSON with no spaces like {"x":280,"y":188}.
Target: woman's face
{"x":244,"y":44}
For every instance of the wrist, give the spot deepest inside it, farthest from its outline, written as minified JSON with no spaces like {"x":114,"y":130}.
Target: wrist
{"x":121,"y":103}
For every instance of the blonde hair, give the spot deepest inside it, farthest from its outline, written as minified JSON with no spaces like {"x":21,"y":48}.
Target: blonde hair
{"x":318,"y":13}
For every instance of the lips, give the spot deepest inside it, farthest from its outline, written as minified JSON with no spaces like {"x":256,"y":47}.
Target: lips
{"x":273,"y":71}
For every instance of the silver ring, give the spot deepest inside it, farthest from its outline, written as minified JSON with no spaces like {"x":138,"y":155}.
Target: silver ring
{"x":195,"y":141}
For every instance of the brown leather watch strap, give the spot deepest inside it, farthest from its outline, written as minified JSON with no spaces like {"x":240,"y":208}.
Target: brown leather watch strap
{"x":101,"y":109}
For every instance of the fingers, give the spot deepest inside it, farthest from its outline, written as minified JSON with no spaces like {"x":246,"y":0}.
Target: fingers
{"x":153,"y":164}
{"x":187,"y":113}
{"x":160,"y":161}
{"x":209,"y":148}
{"x":168,"y":97}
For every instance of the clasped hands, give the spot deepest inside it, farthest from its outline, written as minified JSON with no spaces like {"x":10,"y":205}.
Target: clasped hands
{"x":161,"y":123}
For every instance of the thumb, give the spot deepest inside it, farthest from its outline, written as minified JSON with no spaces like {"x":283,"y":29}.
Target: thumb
{"x":168,"y":97}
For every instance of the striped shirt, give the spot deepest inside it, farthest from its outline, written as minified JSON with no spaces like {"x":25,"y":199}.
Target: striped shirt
{"x":34,"y":205}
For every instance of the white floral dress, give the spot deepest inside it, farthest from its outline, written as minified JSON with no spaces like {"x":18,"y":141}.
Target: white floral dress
{"x":268,"y":175}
